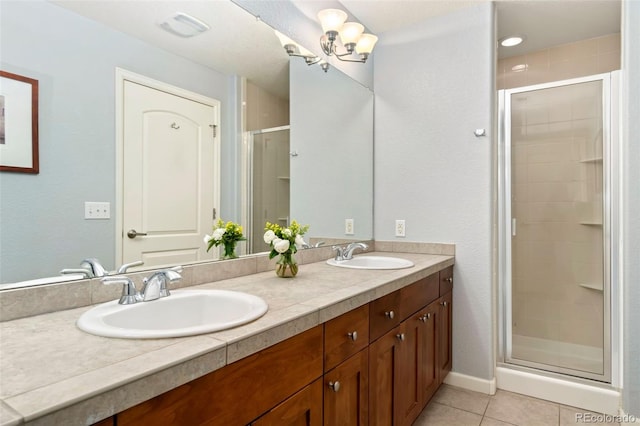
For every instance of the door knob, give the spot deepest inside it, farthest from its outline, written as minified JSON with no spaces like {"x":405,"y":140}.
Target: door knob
{"x":449,"y":279}
{"x":353,"y":335}
{"x":335,"y":386}
{"x":133,"y":233}
{"x":400,"y":337}
{"x":389,"y":314}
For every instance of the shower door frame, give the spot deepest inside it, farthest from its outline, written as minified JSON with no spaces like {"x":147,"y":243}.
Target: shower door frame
{"x":611,"y":326}
{"x":248,"y":211}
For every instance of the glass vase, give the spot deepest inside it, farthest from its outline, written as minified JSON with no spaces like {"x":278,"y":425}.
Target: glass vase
{"x":229,"y":250}
{"x":286,"y":267}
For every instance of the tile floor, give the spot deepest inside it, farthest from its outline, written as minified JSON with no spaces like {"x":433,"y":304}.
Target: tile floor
{"x":452,"y":406}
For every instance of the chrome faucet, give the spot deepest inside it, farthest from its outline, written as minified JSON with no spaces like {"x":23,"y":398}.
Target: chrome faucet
{"x":157,"y":284}
{"x":154,"y":287}
{"x":94,"y":266}
{"x":346,"y":253}
{"x":89,"y":267}
{"x":129,"y":293}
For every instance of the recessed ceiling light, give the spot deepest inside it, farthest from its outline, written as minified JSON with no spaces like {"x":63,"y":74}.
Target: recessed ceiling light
{"x":511,"y":41}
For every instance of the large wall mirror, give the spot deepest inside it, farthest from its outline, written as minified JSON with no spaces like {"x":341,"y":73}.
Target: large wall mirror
{"x":321,"y":123}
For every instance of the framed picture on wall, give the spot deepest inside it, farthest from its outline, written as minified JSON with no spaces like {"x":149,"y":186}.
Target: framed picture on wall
{"x":18,"y":123}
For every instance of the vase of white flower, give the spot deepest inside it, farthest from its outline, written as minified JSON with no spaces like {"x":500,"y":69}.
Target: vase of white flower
{"x":225,"y":234}
{"x":284,"y":242}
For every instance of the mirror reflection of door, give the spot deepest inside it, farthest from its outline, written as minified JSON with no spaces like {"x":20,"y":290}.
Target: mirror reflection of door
{"x":270,"y":182}
{"x":170,"y":176}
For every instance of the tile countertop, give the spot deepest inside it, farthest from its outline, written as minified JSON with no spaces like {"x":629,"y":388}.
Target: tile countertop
{"x":53,"y":373}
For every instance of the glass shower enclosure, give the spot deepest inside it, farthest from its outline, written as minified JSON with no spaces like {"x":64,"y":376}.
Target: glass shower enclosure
{"x":555,"y":221}
{"x":269,"y":183}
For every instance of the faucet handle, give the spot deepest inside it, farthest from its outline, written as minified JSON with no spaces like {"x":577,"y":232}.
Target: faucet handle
{"x":339,"y":252}
{"x":123,"y":268}
{"x":129,"y":292}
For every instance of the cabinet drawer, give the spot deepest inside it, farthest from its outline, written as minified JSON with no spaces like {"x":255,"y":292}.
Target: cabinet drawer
{"x":345,"y":335}
{"x":384,"y":314}
{"x":260,"y":381}
{"x":446,"y":280}
{"x":419,"y":294}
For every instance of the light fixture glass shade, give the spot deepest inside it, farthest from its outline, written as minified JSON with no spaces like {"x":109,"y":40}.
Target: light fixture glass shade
{"x":351,"y":32}
{"x":332,"y":19}
{"x":366,"y":43}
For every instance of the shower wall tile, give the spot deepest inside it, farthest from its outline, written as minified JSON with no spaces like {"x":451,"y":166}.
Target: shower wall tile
{"x":582,"y":58}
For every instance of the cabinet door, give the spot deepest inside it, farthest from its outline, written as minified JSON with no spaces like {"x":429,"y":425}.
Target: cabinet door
{"x":302,"y":409}
{"x":444,"y":319}
{"x":383,"y":358}
{"x":346,"y":392}
{"x":408,"y":391}
{"x":428,"y":344}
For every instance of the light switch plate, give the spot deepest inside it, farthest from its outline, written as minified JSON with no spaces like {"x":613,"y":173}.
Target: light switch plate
{"x":97,"y":210}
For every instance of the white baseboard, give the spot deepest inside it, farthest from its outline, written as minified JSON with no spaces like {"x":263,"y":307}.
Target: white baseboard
{"x":471,"y":383}
{"x":592,"y":398}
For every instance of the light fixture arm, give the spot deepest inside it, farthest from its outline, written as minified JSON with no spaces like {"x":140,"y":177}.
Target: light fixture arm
{"x":292,"y":50}
{"x":329,"y":48}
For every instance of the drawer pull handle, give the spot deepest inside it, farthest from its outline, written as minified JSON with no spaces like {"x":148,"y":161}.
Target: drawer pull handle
{"x":389,"y":314}
{"x":400,"y":337}
{"x":425,"y":317}
{"x":444,"y":304}
{"x":353,"y":335}
{"x":335,"y":386}
{"x":449,"y":279}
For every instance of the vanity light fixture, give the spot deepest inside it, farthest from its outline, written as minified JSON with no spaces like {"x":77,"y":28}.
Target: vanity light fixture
{"x":511,"y":41}
{"x":184,"y":25}
{"x":350,"y":34}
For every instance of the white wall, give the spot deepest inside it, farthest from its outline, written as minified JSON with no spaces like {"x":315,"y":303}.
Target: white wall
{"x":434,"y":85}
{"x":631,"y":205}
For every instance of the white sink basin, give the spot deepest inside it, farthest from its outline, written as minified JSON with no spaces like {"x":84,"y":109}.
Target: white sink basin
{"x":183,"y":313}
{"x":372,"y":262}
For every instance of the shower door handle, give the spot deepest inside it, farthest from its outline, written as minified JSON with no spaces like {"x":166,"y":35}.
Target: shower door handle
{"x":513,"y":227}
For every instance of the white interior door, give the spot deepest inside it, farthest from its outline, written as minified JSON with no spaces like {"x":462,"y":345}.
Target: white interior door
{"x":170,"y":176}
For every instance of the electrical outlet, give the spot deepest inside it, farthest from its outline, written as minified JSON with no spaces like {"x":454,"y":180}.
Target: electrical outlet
{"x":400,"y":229}
{"x":96,"y":210}
{"x":348,"y":227}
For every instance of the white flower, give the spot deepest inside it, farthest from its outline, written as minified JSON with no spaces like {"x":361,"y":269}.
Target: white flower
{"x":286,"y":232}
{"x":269,"y":236}
{"x":300,"y":242}
{"x":207,"y":238}
{"x":218,"y":233}
{"x":281,"y":246}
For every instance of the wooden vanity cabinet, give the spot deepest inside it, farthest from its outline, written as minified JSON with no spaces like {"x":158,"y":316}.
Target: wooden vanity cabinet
{"x":378,"y":364}
{"x":302,"y":409}
{"x":240,"y":392}
{"x":409,"y":362}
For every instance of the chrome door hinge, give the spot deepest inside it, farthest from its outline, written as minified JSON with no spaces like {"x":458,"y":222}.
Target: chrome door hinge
{"x":215,"y":129}
{"x":214,"y":213}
